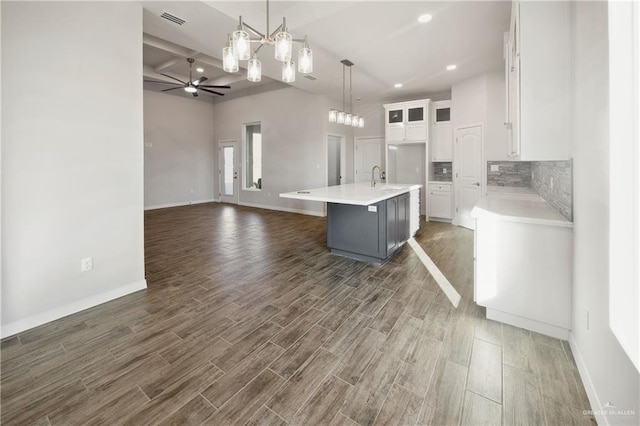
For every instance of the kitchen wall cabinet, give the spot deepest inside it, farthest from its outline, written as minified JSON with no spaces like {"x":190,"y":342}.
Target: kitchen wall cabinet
{"x":407,"y":121}
{"x":441,"y":131}
{"x":440,"y":200}
{"x":538,"y":80}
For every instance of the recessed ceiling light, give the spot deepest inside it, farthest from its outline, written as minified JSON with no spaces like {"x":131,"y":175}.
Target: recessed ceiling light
{"x":200,"y":69}
{"x":397,"y":85}
{"x":424,"y":18}
{"x":451,"y":67}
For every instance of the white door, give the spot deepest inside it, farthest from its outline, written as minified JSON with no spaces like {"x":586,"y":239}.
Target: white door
{"x":335,"y":160}
{"x":228,"y":172}
{"x":368,"y":153}
{"x":468,"y":176}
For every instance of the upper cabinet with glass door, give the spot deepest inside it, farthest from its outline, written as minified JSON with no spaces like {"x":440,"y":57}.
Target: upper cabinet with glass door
{"x":407,"y":122}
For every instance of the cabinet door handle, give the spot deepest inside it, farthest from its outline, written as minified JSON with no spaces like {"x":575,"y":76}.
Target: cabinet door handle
{"x":476,"y":184}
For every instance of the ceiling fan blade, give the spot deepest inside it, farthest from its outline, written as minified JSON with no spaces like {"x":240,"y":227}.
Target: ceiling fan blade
{"x":216,"y":87}
{"x":200,"y":80}
{"x":173,"y":88}
{"x":161,"y":82}
{"x":211,"y":91}
{"x":167,"y":75}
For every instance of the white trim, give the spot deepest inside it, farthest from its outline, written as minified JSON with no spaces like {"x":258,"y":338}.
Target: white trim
{"x":438,"y":276}
{"x":343,"y":157}
{"x":72,"y":308}
{"x":283,"y":209}
{"x":180,"y":204}
{"x":594,"y":401}
{"x":528,"y":324}
{"x":455,"y":219}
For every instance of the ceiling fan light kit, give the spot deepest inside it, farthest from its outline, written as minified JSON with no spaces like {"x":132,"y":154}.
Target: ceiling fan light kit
{"x":238,"y":49}
{"x":342,"y":117}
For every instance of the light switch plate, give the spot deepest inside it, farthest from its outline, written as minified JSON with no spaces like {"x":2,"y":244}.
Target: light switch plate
{"x":495,"y":168}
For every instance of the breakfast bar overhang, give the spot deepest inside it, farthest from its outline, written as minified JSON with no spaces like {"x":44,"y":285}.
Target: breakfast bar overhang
{"x":365,"y":222}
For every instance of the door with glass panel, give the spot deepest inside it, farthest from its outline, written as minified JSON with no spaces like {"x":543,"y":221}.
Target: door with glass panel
{"x":228,"y":172}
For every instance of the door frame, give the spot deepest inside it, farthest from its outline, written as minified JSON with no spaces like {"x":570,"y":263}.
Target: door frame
{"x":383,"y":157}
{"x":343,"y":157}
{"x":456,"y":182}
{"x":236,"y":198}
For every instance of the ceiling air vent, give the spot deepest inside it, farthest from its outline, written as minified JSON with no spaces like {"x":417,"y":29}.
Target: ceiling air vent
{"x":172,"y":18}
{"x":310,"y":77}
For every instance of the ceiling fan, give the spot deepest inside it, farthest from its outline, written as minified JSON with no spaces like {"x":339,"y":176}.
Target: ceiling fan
{"x":192,"y":86}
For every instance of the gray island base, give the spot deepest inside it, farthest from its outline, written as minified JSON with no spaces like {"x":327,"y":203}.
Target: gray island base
{"x":365,"y":223}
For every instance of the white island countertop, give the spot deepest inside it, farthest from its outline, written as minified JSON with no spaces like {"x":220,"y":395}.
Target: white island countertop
{"x":359,"y":194}
{"x":530,"y":209}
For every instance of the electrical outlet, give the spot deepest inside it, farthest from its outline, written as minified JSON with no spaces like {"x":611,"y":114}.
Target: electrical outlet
{"x":86,"y":264}
{"x":495,"y":168}
{"x":444,"y":170}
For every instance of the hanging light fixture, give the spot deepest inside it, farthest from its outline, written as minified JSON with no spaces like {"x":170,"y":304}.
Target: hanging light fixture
{"x":345,"y":116}
{"x":240,"y":47}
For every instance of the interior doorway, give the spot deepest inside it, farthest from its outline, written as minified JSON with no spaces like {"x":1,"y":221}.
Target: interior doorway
{"x":368,"y":152}
{"x":468,"y":174}
{"x":228,"y":171}
{"x":336,"y":156}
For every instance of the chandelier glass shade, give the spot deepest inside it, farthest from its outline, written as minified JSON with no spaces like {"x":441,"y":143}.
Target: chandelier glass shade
{"x":346,"y":117}
{"x":239,"y":49}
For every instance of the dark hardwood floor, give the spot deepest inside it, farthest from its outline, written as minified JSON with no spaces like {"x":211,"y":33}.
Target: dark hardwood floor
{"x":248,"y":319}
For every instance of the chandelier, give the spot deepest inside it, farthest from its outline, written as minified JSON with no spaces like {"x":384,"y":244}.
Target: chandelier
{"x":239,"y":49}
{"x":345,"y":116}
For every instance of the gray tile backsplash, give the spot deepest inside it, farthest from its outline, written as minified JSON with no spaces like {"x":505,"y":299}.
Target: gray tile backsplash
{"x":510,"y":173}
{"x":439,"y":173}
{"x":553,"y":181}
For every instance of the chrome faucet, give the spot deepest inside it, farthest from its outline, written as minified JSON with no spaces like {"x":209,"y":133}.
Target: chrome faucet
{"x":373,"y":175}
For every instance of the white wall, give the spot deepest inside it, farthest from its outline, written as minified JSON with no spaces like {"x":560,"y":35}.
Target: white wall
{"x":606,"y":370}
{"x":481,"y":100}
{"x":294,"y":134}
{"x":179,"y":165}
{"x":72,"y":157}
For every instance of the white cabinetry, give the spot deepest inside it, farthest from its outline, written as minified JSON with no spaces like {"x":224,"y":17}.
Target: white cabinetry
{"x":414,"y":212}
{"x":538,"y":81}
{"x":407,"y":122}
{"x":440,"y":200}
{"x":441,"y":131}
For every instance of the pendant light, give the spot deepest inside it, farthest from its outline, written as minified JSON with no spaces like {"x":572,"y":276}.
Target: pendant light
{"x":254,"y":70}
{"x":229,"y":59}
{"x":288,"y":72}
{"x":345,"y":116}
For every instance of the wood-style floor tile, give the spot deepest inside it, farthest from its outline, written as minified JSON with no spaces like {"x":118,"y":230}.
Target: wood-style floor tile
{"x":248,"y":319}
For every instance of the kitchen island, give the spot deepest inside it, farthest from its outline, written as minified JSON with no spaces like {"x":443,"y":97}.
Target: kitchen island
{"x":364,"y":222}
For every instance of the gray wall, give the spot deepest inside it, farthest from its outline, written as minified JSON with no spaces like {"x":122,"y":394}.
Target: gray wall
{"x":294,"y":135}
{"x":510,"y":173}
{"x":553,"y":180}
{"x":72,"y":175}
{"x":605,"y":367}
{"x":179,"y":166}
{"x":439,"y":173}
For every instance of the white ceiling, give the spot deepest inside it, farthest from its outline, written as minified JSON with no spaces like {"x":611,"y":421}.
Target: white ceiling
{"x":382,"y":38}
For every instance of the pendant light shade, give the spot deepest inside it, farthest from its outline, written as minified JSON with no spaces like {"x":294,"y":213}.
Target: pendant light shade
{"x":229,"y":60}
{"x":288,"y":71}
{"x":355,"y":120}
{"x":348,"y":119}
{"x":333,"y":116}
{"x":241,"y":45}
{"x":305,"y":60}
{"x":284,"y":46}
{"x":341,"y":117}
{"x":254,"y":70}
{"x":361,"y":122}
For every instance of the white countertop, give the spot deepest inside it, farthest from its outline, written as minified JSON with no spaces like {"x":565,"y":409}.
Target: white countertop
{"x":518,"y":209}
{"x":360,"y":194}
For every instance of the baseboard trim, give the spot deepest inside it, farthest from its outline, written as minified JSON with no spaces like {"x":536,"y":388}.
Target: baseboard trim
{"x":283,"y":209}
{"x":72,"y":308}
{"x":596,"y":406}
{"x":181,"y":204}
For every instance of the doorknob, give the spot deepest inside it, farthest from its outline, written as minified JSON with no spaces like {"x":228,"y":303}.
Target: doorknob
{"x":476,"y":184}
